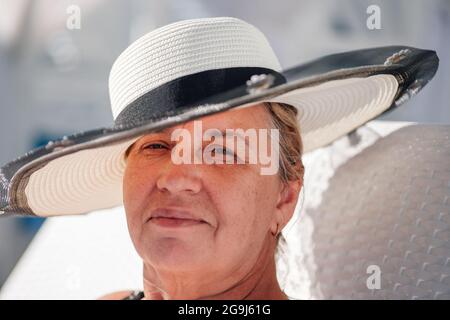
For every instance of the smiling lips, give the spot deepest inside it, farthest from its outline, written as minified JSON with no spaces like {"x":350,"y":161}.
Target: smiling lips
{"x":166,"y":217}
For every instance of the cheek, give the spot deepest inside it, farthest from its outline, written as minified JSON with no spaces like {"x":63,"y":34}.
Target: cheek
{"x":136,"y":188}
{"x":246,"y":210}
{"x":138,"y":182}
{"x":133,"y":187}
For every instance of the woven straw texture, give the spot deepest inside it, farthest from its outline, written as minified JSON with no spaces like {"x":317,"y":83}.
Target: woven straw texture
{"x":185,"y":48}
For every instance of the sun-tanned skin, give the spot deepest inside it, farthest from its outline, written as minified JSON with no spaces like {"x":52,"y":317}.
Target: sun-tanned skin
{"x":231,"y":254}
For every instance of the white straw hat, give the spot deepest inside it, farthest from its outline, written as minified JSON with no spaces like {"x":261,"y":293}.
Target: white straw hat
{"x":198,"y":67}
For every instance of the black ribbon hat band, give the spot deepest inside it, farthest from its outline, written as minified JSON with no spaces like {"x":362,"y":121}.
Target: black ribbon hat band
{"x":209,"y":86}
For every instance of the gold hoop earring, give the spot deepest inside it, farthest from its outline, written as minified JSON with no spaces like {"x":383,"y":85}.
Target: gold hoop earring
{"x":278,"y":230}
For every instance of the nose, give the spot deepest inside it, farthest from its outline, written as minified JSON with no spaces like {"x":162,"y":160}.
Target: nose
{"x":178,"y":178}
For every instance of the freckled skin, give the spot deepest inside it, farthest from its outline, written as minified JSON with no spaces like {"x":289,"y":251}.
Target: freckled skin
{"x":231,"y":255}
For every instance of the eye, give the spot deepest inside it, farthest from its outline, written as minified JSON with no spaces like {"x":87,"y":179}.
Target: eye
{"x":222,"y":150}
{"x":155,"y":146}
{"x":223,"y":153}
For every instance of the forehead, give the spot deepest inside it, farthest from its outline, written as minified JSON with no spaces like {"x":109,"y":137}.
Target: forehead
{"x":256,"y":117}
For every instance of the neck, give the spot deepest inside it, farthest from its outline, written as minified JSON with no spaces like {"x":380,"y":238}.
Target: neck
{"x":260,"y":283}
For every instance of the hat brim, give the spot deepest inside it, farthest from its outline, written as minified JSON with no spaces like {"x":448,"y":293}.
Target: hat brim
{"x":334,"y":95}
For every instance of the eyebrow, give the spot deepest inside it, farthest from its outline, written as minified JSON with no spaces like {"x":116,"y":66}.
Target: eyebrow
{"x":236,"y":134}
{"x":222,"y":131}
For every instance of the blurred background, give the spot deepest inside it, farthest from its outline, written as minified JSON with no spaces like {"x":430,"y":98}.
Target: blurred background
{"x":54,"y":67}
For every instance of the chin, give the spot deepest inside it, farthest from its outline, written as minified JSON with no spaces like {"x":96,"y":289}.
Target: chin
{"x":175,"y":254}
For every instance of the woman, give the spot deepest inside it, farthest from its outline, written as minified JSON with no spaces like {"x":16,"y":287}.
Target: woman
{"x":209,"y":229}
{"x":230,"y":254}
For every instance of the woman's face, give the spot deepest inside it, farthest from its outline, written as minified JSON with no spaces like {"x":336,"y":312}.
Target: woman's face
{"x":238,"y":206}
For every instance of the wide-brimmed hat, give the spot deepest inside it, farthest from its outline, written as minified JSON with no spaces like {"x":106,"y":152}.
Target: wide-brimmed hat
{"x":199,"y":67}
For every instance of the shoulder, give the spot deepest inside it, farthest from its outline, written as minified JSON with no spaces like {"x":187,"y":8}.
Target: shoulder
{"x":118,"y":295}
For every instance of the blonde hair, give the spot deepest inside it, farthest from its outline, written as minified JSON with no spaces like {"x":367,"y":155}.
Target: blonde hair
{"x":284,"y":118}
